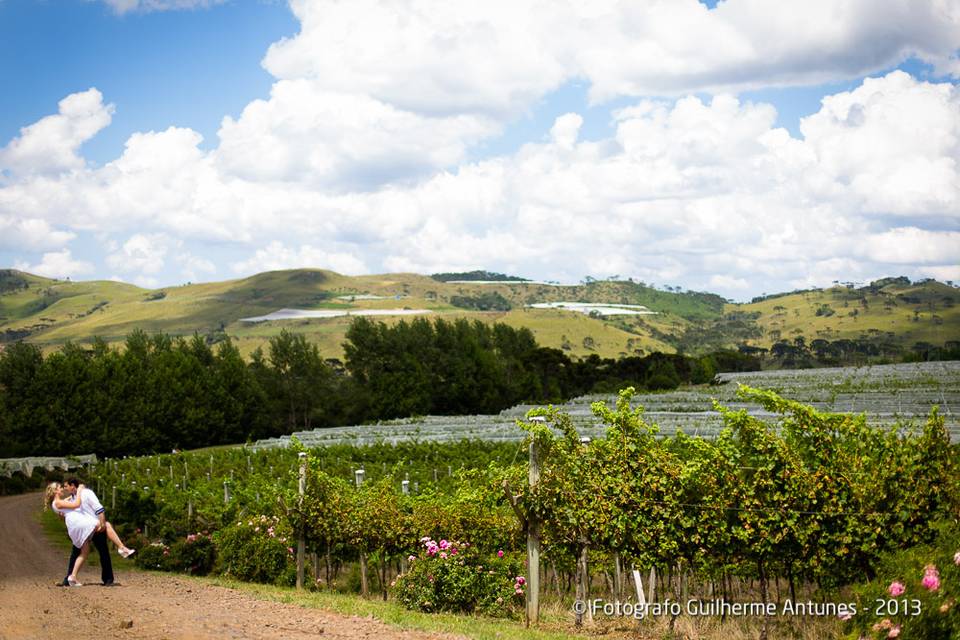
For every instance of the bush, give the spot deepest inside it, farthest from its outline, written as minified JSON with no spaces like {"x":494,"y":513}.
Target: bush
{"x":154,"y":556}
{"x":915,"y":594}
{"x":454,"y":577}
{"x":194,"y":554}
{"x":255,"y":550}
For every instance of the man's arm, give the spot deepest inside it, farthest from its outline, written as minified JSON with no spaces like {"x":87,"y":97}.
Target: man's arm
{"x":91,"y":499}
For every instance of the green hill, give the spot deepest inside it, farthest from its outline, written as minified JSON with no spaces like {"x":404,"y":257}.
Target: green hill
{"x":894,"y":311}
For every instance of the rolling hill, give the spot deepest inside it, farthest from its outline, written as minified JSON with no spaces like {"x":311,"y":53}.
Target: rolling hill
{"x":893,"y":311}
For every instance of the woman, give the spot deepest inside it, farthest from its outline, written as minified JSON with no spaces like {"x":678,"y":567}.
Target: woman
{"x":80,"y":526}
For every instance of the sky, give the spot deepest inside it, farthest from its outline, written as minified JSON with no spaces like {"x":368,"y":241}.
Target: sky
{"x":740,"y":147}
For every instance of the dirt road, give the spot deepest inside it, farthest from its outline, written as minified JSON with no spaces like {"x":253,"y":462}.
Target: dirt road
{"x":146,"y":605}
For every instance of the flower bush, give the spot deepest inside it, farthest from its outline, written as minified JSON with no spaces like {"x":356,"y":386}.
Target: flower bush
{"x":194,"y":554}
{"x":453,"y":576}
{"x":257,"y":549}
{"x":918,"y":598}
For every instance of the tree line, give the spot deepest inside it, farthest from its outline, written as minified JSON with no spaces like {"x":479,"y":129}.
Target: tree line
{"x":159,"y":393}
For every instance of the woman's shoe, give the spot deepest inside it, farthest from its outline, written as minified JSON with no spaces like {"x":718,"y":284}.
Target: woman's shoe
{"x":73,"y":582}
{"x":127,"y":552}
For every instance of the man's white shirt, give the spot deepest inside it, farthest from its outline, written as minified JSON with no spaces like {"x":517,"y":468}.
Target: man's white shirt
{"x":89,"y":503}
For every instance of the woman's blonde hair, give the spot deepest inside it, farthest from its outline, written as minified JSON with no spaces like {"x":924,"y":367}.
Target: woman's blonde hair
{"x":51,"y":492}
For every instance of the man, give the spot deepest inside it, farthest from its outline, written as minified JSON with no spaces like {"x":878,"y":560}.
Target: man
{"x":89,"y":503}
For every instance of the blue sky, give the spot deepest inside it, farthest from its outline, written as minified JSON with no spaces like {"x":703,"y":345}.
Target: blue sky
{"x":655,"y":140}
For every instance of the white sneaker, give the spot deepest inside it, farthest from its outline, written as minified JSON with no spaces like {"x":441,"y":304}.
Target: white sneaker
{"x":73,"y":582}
{"x":126,"y":553}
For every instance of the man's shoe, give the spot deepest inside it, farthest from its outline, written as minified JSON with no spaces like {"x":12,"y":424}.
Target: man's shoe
{"x":110,"y":584}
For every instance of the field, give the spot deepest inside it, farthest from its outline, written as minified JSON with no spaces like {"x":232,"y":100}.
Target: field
{"x":52,"y":312}
{"x":887,"y":394}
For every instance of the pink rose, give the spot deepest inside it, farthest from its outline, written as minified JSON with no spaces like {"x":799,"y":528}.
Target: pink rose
{"x":500,"y":553}
{"x":956,"y":558}
{"x":896,"y":588}
{"x":894,"y":631}
{"x":931,"y":578}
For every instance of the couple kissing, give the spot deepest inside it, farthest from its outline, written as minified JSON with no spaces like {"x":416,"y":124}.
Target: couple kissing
{"x":87,"y":526}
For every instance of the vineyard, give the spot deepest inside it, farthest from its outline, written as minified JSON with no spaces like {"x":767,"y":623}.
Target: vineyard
{"x":888,"y":394}
{"x":784,"y":500}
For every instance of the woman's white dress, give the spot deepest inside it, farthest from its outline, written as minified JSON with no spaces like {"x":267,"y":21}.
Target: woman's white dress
{"x":80,"y":526}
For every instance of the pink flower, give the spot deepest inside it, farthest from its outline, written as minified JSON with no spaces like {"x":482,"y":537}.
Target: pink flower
{"x":931,"y":578}
{"x":896,"y":588}
{"x":846,"y":615}
{"x":453,"y":552}
{"x":500,"y":553}
{"x":290,"y":549}
{"x":443,"y":555}
{"x":444,"y":544}
{"x":411,"y":558}
{"x":956,"y":558}
{"x":521,"y":580}
{"x":894,"y":631}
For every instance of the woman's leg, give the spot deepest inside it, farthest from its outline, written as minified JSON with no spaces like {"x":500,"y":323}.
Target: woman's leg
{"x":114,"y":538}
{"x":84,"y":552}
{"x":124,"y":550}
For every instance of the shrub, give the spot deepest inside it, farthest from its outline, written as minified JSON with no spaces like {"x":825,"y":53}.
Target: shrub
{"x":255,"y":550}
{"x":195,"y":554}
{"x":154,"y":556}
{"x":915,"y":594}
{"x":453,"y":576}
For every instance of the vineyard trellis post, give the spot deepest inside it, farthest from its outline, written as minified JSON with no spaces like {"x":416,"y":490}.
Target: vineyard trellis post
{"x":533,"y":541}
{"x":301,"y":543}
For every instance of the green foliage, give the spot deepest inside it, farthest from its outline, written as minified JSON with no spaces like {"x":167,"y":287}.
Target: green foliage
{"x":255,"y":550}
{"x":453,"y":576}
{"x":479,"y":275}
{"x":491,"y":301}
{"x":900,"y":598}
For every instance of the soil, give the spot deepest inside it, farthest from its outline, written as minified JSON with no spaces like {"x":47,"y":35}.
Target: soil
{"x":153,"y":606}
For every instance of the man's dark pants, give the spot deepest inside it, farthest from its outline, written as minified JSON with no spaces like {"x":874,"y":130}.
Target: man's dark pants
{"x":99,"y":541}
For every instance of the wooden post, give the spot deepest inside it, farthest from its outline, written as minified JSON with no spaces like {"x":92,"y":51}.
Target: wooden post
{"x":617,"y":577}
{"x":364,"y":587}
{"x":226,"y":492}
{"x":189,"y":511}
{"x":113,"y":498}
{"x":533,"y":543}
{"x":301,"y":542}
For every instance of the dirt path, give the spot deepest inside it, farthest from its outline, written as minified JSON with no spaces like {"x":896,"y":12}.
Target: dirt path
{"x":146,"y":605}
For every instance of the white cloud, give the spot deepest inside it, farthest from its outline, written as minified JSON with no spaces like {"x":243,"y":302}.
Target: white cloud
{"x":500,"y":57}
{"x":565,"y":129}
{"x":50,"y":145}
{"x":276,"y":256}
{"x":125,"y":6}
{"x":910,"y":245}
{"x":57,"y":264}
{"x":143,"y":253}
{"x":894,"y":140}
{"x":194,"y":267}
{"x":340,"y":141}
{"x":33,"y":234}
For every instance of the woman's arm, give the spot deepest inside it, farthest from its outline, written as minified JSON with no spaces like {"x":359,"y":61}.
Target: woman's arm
{"x":67,"y":503}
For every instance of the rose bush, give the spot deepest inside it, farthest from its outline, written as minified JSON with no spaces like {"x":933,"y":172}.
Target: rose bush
{"x":453,"y":576}
{"x":258,"y":549}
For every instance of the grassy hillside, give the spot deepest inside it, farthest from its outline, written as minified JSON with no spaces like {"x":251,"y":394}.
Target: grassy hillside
{"x":52,"y":312}
{"x":900,"y":312}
